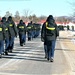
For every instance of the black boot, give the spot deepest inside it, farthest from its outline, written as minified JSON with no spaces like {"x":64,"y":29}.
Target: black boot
{"x":0,"y":56}
{"x":6,"y":53}
{"x":21,"y":44}
{"x":48,"y":59}
{"x":2,"y":53}
{"x":51,"y":60}
{"x":10,"y":50}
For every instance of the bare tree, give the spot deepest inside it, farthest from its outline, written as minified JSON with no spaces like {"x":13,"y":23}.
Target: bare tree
{"x":35,"y":18}
{"x":61,"y":19}
{"x":72,"y":5}
{"x":23,"y":18}
{"x":27,"y":13}
{"x":17,"y":16}
{"x":8,"y":14}
{"x":30,"y":17}
{"x":42,"y":17}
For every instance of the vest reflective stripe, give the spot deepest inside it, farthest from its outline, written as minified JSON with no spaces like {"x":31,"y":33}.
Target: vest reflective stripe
{"x":32,"y":26}
{"x":10,"y":25}
{"x":6,"y":29}
{"x":49,"y":28}
{"x":29,"y":27}
{"x":21,"y":26}
{"x":0,"y":29}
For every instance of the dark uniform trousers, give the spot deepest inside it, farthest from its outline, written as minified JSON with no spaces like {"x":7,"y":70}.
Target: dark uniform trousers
{"x":22,"y":38}
{"x":11,"y":43}
{"x":50,"y":48}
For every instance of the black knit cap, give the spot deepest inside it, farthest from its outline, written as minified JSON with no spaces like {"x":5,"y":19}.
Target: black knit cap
{"x":21,"y":21}
{"x":9,"y":18}
{"x":3,"y":18}
{"x":50,"y":17}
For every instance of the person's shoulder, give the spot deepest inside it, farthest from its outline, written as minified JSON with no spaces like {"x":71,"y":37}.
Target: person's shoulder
{"x":55,"y":24}
{"x":44,"y":23}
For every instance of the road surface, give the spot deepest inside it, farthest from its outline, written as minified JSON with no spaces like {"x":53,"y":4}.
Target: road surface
{"x":29,"y":60}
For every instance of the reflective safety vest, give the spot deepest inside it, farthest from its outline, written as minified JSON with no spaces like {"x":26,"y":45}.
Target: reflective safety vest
{"x":21,"y":27}
{"x":6,"y":29}
{"x":50,"y":29}
{"x":29,"y":27}
{"x":0,"y":29}
{"x":10,"y":25}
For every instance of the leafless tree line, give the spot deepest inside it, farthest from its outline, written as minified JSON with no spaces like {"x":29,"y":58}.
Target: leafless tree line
{"x":28,"y":17}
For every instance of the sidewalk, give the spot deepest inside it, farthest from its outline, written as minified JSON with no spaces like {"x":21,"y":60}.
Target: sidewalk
{"x":68,"y":45}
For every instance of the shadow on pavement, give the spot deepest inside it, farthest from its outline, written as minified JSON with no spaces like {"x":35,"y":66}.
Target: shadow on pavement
{"x":41,"y":59}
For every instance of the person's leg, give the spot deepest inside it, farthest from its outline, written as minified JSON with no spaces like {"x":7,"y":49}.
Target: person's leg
{"x":52,"y":50}
{"x":45,"y":49}
{"x":24,"y":39}
{"x":29,"y":36}
{"x":48,"y":50}
{"x":2,"y":47}
{"x":0,"y":50}
{"x":6,"y":46}
{"x":32,"y":34}
{"x":11,"y":43}
{"x":20,"y":39}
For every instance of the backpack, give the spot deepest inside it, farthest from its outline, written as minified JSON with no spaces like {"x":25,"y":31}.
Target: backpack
{"x":50,"y":29}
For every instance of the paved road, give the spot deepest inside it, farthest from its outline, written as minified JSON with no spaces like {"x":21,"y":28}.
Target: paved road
{"x":29,"y":60}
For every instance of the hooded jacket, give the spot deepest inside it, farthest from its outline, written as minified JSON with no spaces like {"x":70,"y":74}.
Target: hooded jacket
{"x":6,"y":27}
{"x":50,"y":21}
{"x":21,"y":27}
{"x":12,"y":27}
{"x":2,"y":32}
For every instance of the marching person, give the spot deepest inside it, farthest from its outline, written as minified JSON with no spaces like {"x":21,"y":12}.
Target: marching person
{"x":30,"y":31}
{"x":22,"y":32}
{"x":13,"y":33}
{"x":7,"y":35}
{"x":49,"y":35}
{"x":2,"y":38}
{"x":43,"y":40}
